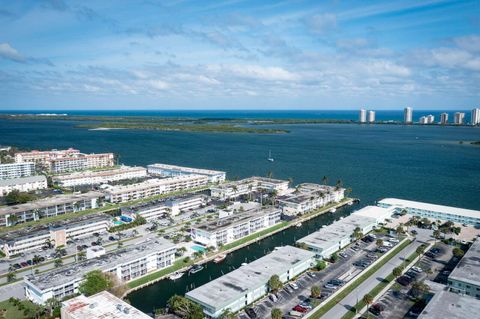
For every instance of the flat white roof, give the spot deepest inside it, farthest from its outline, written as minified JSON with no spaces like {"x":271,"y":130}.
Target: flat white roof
{"x":22,"y":180}
{"x":468,"y":269}
{"x":445,"y":304}
{"x":402,"y":203}
{"x":185,"y":169}
{"x":102,"y":305}
{"x":375,"y":212}
{"x":154,"y":182}
{"x":105,"y":172}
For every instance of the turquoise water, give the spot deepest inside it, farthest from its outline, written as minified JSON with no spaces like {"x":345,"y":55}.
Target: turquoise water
{"x":198,"y":248}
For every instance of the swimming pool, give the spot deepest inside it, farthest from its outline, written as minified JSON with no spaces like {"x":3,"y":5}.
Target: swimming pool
{"x":198,"y":248}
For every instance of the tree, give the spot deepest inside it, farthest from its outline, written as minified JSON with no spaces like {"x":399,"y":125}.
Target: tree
{"x":436,"y":234}
{"x":321,"y":265}
{"x":457,"y":252}
{"x":339,"y":184}
{"x":227,"y":314}
{"x":418,"y":289}
{"x":51,"y":305}
{"x":82,"y":255}
{"x":367,"y":299}
{"x":325,"y":180}
{"x":269,"y":174}
{"x":316,"y":291}
{"x":276,"y":313}
{"x":302,"y":245}
{"x":12,"y":220}
{"x":274,"y":283}
{"x":420,"y":249}
{"x":11,"y":276}
{"x":17,"y":197}
{"x":379,"y":242}
{"x":94,"y":282}
{"x":397,"y":272}
{"x":357,"y":233}
{"x":58,"y":262}
{"x":400,"y":230}
{"x":334,"y":257}
{"x":185,"y":308}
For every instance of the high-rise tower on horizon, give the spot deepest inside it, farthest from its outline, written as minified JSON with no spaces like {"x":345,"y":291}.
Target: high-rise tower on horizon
{"x":408,"y":115}
{"x":444,"y":118}
{"x":362,"y":116}
{"x":371,"y":116}
{"x":459,"y":118}
{"x":475,"y":116}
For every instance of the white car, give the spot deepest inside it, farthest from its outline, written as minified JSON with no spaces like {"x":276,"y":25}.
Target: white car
{"x":294,"y":286}
{"x":394,"y":240}
{"x":417,"y":269}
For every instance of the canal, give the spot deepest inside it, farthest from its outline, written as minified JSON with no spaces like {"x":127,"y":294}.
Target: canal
{"x":156,"y":295}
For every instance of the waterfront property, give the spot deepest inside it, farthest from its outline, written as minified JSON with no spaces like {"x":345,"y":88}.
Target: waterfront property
{"x":16,"y":170}
{"x":126,"y":264}
{"x":55,"y":234}
{"x":167,"y":170}
{"x":47,"y":207}
{"x":247,"y":186}
{"x":154,"y":186}
{"x":336,"y":236}
{"x":448,"y":213}
{"x":102,"y":305}
{"x":59,"y":161}
{"x":308,"y":197}
{"x":99,"y":176}
{"x":248,"y":283}
{"x":234,"y":227}
{"x":465,"y":278}
{"x":445,"y":304}
{"x":23,"y":184}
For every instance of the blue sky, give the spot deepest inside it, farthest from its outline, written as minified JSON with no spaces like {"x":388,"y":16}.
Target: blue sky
{"x":235,"y":54}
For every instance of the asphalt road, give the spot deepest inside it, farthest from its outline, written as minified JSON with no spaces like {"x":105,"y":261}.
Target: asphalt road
{"x":340,"y":309}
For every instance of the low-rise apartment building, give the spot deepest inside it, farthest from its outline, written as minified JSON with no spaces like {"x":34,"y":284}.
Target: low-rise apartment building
{"x":247,"y":186}
{"x":23,"y":184}
{"x":16,"y":170}
{"x":50,"y":206}
{"x":308,"y":197}
{"x":234,"y":227}
{"x":126,"y":264}
{"x":102,"y":305}
{"x":152,"y":187}
{"x":56,"y":234}
{"x":448,"y":213}
{"x":241,"y":287}
{"x":465,"y":278}
{"x":167,"y":170}
{"x":99,"y":177}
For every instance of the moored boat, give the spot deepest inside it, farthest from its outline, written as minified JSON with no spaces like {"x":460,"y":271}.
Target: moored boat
{"x":219,"y":258}
{"x":176,"y":275}
{"x":195,"y":269}
{"x":333,"y":210}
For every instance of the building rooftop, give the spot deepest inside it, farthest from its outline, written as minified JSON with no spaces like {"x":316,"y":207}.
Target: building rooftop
{"x":103,"y":172}
{"x":230,"y":287}
{"x":22,"y":180}
{"x":468,"y":269}
{"x":49,"y":201}
{"x":332,"y":234}
{"x":431,"y":207}
{"x":445,"y":304}
{"x":35,"y":231}
{"x":70,"y":273}
{"x":150,"y":183}
{"x":235,"y":219}
{"x":102,"y":305}
{"x":190,"y":170}
{"x":375,"y":212}
{"x":250,"y":180}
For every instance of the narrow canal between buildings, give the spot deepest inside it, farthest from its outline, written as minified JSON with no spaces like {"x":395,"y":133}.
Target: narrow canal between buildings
{"x":156,"y":295}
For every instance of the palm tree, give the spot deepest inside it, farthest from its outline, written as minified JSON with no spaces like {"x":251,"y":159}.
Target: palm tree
{"x":325,"y":180}
{"x":397,"y":272}
{"x":357,"y":233}
{"x":269,"y":174}
{"x":227,"y":314}
{"x":276,"y":313}
{"x":12,"y":220}
{"x":11,"y":276}
{"x":316,"y":291}
{"x":339,"y":184}
{"x":379,"y":242}
{"x":82,"y":255}
{"x":367,"y":299}
{"x":290,"y":180}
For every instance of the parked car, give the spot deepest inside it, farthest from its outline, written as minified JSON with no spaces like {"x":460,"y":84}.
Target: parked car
{"x":251,"y":313}
{"x":300,"y":309}
{"x":330,"y":286}
{"x":16,"y":266}
{"x":376,"y":309}
{"x":273,"y":298}
{"x":294,"y":286}
{"x":417,"y":269}
{"x":24,"y":264}
{"x":404,"y":280}
{"x":295,"y":314}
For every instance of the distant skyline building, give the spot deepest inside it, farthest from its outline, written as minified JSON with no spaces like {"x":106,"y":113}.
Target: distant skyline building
{"x":363,"y":116}
{"x":422,"y":120}
{"x":371,"y":116}
{"x":444,"y":118}
{"x":459,"y":118}
{"x":408,"y":115}
{"x":475,"y":116}
{"x":430,"y":119}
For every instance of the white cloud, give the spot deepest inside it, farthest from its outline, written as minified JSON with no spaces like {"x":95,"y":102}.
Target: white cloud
{"x":158,"y":84}
{"x":259,"y":72}
{"x":470,"y":43}
{"x":321,"y":23}
{"x":10,"y":53}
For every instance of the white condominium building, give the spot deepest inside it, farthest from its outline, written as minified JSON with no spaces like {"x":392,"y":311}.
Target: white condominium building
{"x":23,"y":184}
{"x":102,"y":305}
{"x":15,"y":170}
{"x":308,"y":197}
{"x":444,"y":118}
{"x":475,"y":120}
{"x":174,"y":170}
{"x":126,"y":264}
{"x":234,"y":227}
{"x":465,"y":278}
{"x":65,"y":160}
{"x":408,"y":115}
{"x":371,"y":116}
{"x":99,"y":177}
{"x":459,"y":118}
{"x":248,"y":185}
{"x":423,"y":120}
{"x":362,"y":117}
{"x":51,"y":206}
{"x":56,"y":234}
{"x":152,"y":187}
{"x":430,"y":119}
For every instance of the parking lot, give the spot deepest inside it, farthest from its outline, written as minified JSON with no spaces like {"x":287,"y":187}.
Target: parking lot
{"x":352,"y":260}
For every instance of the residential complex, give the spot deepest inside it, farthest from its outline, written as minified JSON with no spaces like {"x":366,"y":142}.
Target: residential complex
{"x":23,"y":184}
{"x":334,"y":237}
{"x":308,"y":197}
{"x":234,"y":227}
{"x":475,"y":120}
{"x":454,"y":214}
{"x":59,"y":161}
{"x":445,"y":304}
{"x":459,"y":118}
{"x":16,"y":170}
{"x":56,"y":234}
{"x":51,"y":206}
{"x":248,"y":283}
{"x":102,"y":305}
{"x":174,"y":170}
{"x":99,"y":176}
{"x":154,"y":186}
{"x":248,"y":185}
{"x":126,"y":264}
{"x":408,"y":115}
{"x":465,"y":278}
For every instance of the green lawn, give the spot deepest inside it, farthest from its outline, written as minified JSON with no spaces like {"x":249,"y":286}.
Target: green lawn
{"x":357,"y":282}
{"x":12,"y":312}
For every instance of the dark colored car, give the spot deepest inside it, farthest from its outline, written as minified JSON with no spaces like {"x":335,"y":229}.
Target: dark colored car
{"x":16,"y":266}
{"x":29,"y":262}
{"x":300,"y":309}
{"x":251,"y":313}
{"x":377,"y":309}
{"x":24,"y":264}
{"x":111,"y":238}
{"x":93,"y":243}
{"x":404,"y":280}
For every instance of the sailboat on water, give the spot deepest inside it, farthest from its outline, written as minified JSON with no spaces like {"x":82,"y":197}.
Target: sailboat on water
{"x":270,"y":158}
